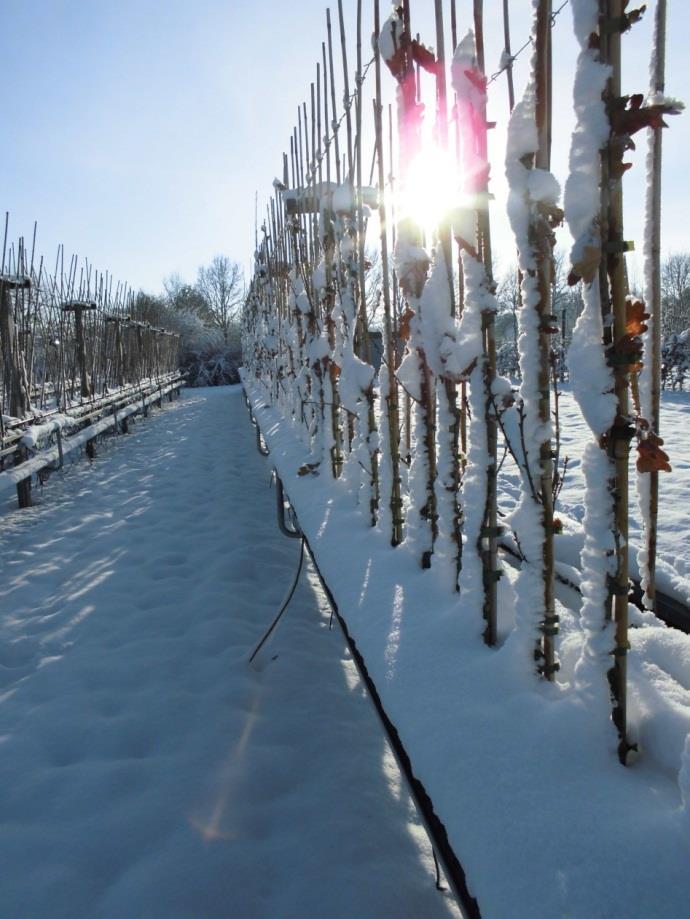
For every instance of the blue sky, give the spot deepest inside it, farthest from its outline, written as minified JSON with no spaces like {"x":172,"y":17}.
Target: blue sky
{"x":138,"y":132}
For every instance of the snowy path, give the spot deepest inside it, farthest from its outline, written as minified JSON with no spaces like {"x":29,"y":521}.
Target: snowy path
{"x":145,"y":769}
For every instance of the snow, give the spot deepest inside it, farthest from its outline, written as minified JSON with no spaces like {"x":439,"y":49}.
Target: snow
{"x":390,"y":36}
{"x":10,"y":477}
{"x":673,"y":567}
{"x":581,"y":195}
{"x":145,"y":768}
{"x":599,"y":546}
{"x":523,"y":773}
{"x":35,"y":433}
{"x":410,"y":258}
{"x":465,"y":74}
{"x":408,"y":375}
{"x":592,"y":378}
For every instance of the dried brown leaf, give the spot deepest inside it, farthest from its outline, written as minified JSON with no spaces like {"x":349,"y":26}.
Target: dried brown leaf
{"x":586,"y":268}
{"x":405,"y":320}
{"x":635,"y":316}
{"x":650,"y":456}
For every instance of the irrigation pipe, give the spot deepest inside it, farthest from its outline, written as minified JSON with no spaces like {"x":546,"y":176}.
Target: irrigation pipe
{"x":284,"y":605}
{"x":435,"y":829}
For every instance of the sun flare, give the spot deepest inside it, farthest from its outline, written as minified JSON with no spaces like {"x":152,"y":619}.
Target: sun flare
{"x":430,"y":190}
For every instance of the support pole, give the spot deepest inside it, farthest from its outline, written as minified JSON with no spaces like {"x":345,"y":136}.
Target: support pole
{"x":653,"y":299}
{"x":543,"y":241}
{"x":490,"y":540}
{"x":613,"y":284}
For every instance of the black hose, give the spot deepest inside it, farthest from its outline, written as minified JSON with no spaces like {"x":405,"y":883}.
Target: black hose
{"x":435,"y":829}
{"x":286,"y":603}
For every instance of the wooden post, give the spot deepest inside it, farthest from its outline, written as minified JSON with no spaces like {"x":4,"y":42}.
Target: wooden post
{"x":15,"y":374}
{"x":77,"y":307}
{"x":15,"y":381}
{"x":24,"y":487}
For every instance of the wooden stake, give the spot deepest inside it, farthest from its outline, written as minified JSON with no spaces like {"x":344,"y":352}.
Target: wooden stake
{"x":543,"y":243}
{"x":334,"y":111}
{"x":614,"y":292}
{"x":346,"y":88}
{"x":363,"y":318}
{"x":490,"y":553}
{"x":506,"y":45}
{"x":392,"y":409}
{"x":653,"y":296}
{"x":445,"y":242}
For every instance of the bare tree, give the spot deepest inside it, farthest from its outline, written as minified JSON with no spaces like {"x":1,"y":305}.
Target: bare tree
{"x":186,"y":298}
{"x":675,"y":293}
{"x":222,"y":285}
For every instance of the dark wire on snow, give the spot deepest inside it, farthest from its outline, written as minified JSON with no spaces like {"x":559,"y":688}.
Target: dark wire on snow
{"x":286,"y":603}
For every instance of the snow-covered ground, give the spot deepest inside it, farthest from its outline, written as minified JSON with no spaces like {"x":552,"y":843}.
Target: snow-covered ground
{"x":146,"y":769}
{"x":523,"y":773}
{"x":674,"y":487}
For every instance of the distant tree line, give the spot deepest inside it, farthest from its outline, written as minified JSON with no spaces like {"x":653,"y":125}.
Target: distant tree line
{"x":207,"y":312}
{"x":567,"y":305}
{"x":207,"y":316}
{"x":675,"y":322}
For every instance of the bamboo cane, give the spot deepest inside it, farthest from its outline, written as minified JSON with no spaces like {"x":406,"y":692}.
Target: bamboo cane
{"x":346,"y":90}
{"x":507,"y":51}
{"x":613,"y":285}
{"x":363,"y":318}
{"x":329,"y":246}
{"x":334,"y":123}
{"x":408,"y":139}
{"x":653,"y":297}
{"x":452,"y":435}
{"x":491,"y":532}
{"x":543,"y":242}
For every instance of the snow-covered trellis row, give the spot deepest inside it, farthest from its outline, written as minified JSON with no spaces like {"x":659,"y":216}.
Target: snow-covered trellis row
{"x":76,"y":355}
{"x":370,"y":366}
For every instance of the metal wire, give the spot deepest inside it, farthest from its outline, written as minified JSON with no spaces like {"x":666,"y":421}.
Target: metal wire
{"x":530,"y":41}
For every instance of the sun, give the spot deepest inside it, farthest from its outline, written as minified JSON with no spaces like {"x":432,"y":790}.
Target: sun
{"x":430,"y":190}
